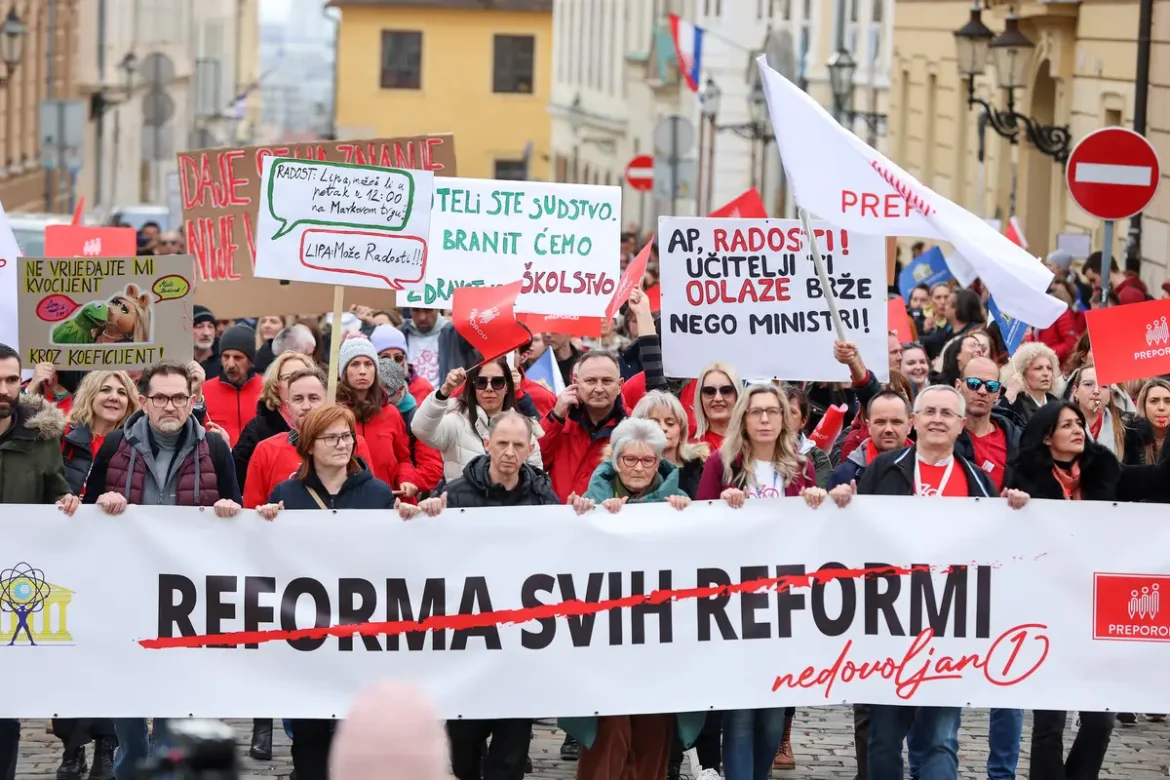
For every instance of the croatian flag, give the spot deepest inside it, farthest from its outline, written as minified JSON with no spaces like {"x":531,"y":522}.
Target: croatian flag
{"x":688,"y":48}
{"x":545,"y":371}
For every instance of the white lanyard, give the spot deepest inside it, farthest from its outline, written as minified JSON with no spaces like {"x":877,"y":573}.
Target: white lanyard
{"x":942,"y":485}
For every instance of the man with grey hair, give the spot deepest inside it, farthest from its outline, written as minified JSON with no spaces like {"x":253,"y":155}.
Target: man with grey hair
{"x":294,"y":338}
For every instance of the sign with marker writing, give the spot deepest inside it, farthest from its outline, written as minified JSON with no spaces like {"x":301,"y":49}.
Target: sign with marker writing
{"x":81,"y":313}
{"x":340,"y":224}
{"x":1055,"y":606}
{"x":220,"y":194}
{"x":562,"y":240}
{"x":746,"y":292}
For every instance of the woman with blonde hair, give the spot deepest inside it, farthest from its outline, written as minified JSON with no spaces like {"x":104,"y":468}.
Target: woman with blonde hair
{"x":666,"y":410}
{"x":1036,"y":371}
{"x":716,"y":391}
{"x":1126,"y":435}
{"x":1153,"y":403}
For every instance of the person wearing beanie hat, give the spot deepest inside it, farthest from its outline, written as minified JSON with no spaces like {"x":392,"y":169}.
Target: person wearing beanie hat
{"x":232,"y":396}
{"x":428,"y":461}
{"x":1059,"y":261}
{"x":379,"y":421}
{"x":391,"y":343}
{"x":203,"y":332}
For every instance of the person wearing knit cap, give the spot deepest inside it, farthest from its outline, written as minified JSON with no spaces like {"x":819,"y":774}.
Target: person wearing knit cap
{"x":391,"y":343}
{"x":231,"y":397}
{"x":378,"y":420}
{"x":203,"y":332}
{"x":428,"y":461}
{"x":390,"y":731}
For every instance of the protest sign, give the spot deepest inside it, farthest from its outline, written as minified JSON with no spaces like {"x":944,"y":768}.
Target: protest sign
{"x":563,"y":240}
{"x":1131,"y":341}
{"x":108,"y":313}
{"x":746,"y":292}
{"x":485,"y":609}
{"x":341,"y":224}
{"x":86,"y":241}
{"x":220,"y":193}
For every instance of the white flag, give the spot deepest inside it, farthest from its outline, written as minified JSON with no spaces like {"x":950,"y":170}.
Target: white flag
{"x":838,"y":178}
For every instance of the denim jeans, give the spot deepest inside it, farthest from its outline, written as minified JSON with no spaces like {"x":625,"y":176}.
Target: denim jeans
{"x":934,"y":745}
{"x":136,"y":744}
{"x":1004,"y":730}
{"x":750,"y":741}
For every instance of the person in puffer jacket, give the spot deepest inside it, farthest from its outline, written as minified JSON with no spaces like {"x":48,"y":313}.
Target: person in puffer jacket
{"x":888,"y":424}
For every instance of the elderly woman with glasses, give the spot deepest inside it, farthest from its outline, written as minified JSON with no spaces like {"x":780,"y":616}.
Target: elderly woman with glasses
{"x":631,"y":747}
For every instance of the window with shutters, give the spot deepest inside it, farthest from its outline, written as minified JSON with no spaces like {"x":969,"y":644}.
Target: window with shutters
{"x":514,"y":170}
{"x":401,"y":59}
{"x":513,"y":64}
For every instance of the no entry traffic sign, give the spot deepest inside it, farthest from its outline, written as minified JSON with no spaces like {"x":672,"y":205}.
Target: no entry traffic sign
{"x":640,"y":173}
{"x":1113,"y":173}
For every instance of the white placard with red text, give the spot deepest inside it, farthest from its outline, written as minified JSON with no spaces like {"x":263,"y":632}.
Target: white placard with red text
{"x":1061,"y":606}
{"x":746,"y":292}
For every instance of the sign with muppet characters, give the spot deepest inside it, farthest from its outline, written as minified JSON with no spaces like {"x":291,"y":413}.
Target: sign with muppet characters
{"x":115,"y":313}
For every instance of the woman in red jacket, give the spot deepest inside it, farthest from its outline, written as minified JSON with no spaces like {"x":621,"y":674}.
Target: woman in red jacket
{"x":377,"y":419}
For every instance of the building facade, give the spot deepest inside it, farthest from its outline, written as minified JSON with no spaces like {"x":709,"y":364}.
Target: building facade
{"x":23,"y":182}
{"x":477,"y":69}
{"x":1080,"y":75}
{"x":616,"y":77}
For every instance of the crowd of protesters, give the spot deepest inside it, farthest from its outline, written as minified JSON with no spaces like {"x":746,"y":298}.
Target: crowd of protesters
{"x":419,"y":427}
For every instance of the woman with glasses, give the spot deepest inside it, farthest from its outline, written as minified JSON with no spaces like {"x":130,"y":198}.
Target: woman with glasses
{"x":957,"y":354}
{"x":458,"y":427}
{"x":1125,"y":435}
{"x":631,"y":747}
{"x":915,"y":366}
{"x":759,"y":459}
{"x":718,"y":389}
{"x":330,"y":477}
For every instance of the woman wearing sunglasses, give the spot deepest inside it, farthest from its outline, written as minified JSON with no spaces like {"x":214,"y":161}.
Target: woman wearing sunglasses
{"x":717,"y":389}
{"x":458,"y":427}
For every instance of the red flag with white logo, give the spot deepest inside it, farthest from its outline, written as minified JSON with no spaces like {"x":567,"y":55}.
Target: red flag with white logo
{"x":485,"y":317}
{"x":632,"y":276}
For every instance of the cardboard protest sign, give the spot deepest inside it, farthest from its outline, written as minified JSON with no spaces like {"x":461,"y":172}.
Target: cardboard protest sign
{"x":86,"y":241}
{"x":220,"y":191}
{"x":562,"y":240}
{"x":746,"y":292}
{"x":341,"y":224}
{"x":110,"y":312}
{"x":1130,"y":341}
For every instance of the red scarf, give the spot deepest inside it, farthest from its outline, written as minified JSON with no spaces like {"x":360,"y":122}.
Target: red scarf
{"x":1095,"y":428}
{"x":871,"y":451}
{"x":1069,"y":481}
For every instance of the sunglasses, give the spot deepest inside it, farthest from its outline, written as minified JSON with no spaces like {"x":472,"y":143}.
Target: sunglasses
{"x":497,"y":383}
{"x":710,"y":391}
{"x":993,"y":385}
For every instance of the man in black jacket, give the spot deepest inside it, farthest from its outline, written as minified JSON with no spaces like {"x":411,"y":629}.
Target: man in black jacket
{"x":499,"y":478}
{"x":992,"y":435}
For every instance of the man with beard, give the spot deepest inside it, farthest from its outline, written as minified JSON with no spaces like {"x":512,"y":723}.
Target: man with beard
{"x":231,"y":397}
{"x":203,"y":330}
{"x":160,"y":457}
{"x":31,"y":472}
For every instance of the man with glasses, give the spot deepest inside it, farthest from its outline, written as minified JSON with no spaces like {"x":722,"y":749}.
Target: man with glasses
{"x":169,"y":243}
{"x":161,"y":457}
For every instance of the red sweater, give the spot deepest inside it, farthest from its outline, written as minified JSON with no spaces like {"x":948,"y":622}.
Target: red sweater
{"x":232,"y":407}
{"x":390,"y":447}
{"x":571,"y":451}
{"x":273,"y":461}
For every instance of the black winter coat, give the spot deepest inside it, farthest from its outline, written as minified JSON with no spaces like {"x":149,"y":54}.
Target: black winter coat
{"x":360,"y":491}
{"x":77,"y":452}
{"x":689,"y":475}
{"x":892,"y":474}
{"x":1103,"y":478}
{"x":264,"y":425}
{"x":475,"y":490}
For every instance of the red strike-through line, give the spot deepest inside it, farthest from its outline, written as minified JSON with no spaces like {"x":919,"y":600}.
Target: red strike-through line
{"x":503,"y":617}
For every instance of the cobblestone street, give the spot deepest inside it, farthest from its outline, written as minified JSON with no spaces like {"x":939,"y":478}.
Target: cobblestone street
{"x":822,"y":742}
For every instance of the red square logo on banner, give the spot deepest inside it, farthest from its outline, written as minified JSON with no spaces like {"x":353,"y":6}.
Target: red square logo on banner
{"x":84,"y":241}
{"x":1129,"y":608}
{"x":1130,"y":341}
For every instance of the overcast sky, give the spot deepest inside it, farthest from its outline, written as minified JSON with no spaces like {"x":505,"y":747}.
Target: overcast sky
{"x":274,"y":10}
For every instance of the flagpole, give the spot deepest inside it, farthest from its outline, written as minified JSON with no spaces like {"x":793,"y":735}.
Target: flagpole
{"x":823,"y":275}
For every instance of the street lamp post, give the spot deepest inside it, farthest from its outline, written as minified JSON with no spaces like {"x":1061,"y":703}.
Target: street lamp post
{"x":709,"y":100}
{"x":12,"y":36}
{"x":842,"y":68}
{"x":1012,"y":51}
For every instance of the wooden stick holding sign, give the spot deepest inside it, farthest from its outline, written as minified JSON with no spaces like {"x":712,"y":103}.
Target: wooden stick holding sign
{"x":823,"y":275}
{"x":335,"y":339}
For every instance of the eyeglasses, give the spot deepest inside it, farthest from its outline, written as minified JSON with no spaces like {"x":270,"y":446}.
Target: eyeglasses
{"x":710,"y":391}
{"x":769,"y":411}
{"x":633,"y":461}
{"x":1089,"y":384}
{"x":161,"y":401}
{"x":398,"y":358}
{"x":498,"y":383}
{"x":993,"y":385}
{"x":335,"y":439}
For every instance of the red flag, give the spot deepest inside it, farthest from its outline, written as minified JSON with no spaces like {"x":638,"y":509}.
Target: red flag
{"x":585,"y":327}
{"x":77,"y":212}
{"x":747,"y":206}
{"x":484,"y":316}
{"x":1015,"y":233}
{"x":632,"y":276}
{"x":1130,"y":341}
{"x":84,"y":241}
{"x":899,"y":320}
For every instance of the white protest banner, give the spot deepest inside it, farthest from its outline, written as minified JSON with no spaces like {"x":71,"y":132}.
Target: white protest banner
{"x":959,"y":602}
{"x":562,"y":240}
{"x":839,"y":178}
{"x":746,"y":292}
{"x":341,"y":224}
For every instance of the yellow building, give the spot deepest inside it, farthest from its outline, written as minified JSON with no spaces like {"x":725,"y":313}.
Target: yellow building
{"x":1079,"y":75}
{"x":479,"y":69}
